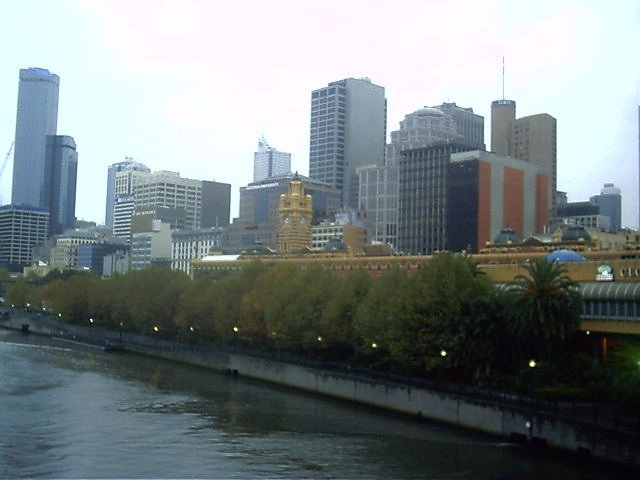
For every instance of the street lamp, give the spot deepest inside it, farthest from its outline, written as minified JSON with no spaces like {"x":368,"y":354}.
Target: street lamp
{"x":374,"y":345}
{"x":121,"y":325}
{"x":235,"y":329}
{"x":443,"y":353}
{"x":156,"y":330}
{"x":532,"y":363}
{"x":91,"y":327}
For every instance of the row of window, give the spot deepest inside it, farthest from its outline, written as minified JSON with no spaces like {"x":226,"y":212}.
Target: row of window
{"x":615,"y":309}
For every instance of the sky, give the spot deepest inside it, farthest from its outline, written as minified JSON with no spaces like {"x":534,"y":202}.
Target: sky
{"x":190,"y":85}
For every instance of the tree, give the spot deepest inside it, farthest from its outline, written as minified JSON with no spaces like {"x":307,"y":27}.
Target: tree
{"x":338,"y":315}
{"x":19,"y":293}
{"x":547,"y":308}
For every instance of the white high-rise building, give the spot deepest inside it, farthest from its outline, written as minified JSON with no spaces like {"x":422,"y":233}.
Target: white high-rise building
{"x":125,"y":186}
{"x":122,"y":215}
{"x":268,"y":162}
{"x":168,"y":189}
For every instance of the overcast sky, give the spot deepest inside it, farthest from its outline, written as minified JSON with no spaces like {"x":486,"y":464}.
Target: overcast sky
{"x":190,"y":86}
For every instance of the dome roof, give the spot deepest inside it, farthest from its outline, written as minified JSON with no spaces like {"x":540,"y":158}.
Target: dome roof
{"x":428,"y":112}
{"x":573,"y":233}
{"x":507,"y":235}
{"x":564,"y":256}
{"x":335,"y":245}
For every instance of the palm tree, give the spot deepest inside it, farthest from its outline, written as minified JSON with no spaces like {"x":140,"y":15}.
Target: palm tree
{"x":547,"y":307}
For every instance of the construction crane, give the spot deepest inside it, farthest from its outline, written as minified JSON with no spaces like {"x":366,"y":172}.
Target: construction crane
{"x":4,"y":164}
{"x":6,"y":159}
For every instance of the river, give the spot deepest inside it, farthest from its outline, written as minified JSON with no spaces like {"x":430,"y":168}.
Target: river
{"x":69,"y":411}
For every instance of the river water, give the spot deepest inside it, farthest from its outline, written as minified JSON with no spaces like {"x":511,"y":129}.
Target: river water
{"x":68,"y":411}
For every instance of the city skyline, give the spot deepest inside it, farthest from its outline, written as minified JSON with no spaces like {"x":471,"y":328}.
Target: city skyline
{"x":162,"y":87}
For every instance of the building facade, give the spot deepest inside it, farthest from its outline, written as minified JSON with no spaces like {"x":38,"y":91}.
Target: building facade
{"x":91,"y":256}
{"x":259,"y":201}
{"x":422,"y":197}
{"x":152,"y":247}
{"x":468,"y":125}
{"x":216,"y":204}
{"x":127,"y":164}
{"x":425,"y":127}
{"x":64,"y":255}
{"x":168,"y":189}
{"x":379,"y":202}
{"x":122,"y":214}
{"x":295,"y":212}
{"x":531,"y":139}
{"x":352,"y":236}
{"x":610,"y":204}
{"x":37,"y":118}
{"x":269,"y":162}
{"x":61,"y":168}
{"x":189,"y":244}
{"x":486,"y":192}
{"x":348,"y":130}
{"x":586,"y":214}
{"x":22,"y":228}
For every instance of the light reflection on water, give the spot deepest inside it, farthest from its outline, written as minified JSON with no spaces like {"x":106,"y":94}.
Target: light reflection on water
{"x":81,"y":413}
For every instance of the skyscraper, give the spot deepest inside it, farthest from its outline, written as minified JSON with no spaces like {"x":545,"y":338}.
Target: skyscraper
{"x":427,"y":126}
{"x":531,"y":139}
{"x":422,"y":197}
{"x":128,"y":164}
{"x":37,"y":118}
{"x":348,"y":130}
{"x":610,"y":205}
{"x":269,"y":162}
{"x":61,"y":172}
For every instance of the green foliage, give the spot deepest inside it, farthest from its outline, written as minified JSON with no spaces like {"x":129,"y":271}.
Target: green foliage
{"x":547,"y":309}
{"x":19,"y":293}
{"x":444,"y":321}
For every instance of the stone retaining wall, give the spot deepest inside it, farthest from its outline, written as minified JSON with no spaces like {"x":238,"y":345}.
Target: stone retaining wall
{"x":514,"y":423}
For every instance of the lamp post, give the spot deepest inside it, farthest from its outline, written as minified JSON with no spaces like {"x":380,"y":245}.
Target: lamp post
{"x":156,"y":330}
{"x":120,"y":333}
{"x":91,"y":327}
{"x":60,"y":323}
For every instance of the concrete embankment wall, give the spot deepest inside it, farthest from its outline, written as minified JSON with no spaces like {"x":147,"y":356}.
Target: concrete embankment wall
{"x":513,"y":422}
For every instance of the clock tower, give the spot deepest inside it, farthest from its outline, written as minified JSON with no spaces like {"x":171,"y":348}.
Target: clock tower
{"x":294,"y":216}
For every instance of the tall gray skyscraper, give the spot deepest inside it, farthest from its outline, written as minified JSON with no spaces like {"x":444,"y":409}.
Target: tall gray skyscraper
{"x":60,"y":188}
{"x":269,"y":162}
{"x":128,"y":164}
{"x":36,"y":119}
{"x":348,"y":130}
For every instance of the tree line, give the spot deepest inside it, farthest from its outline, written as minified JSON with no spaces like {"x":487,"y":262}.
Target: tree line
{"x":446,"y":321}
